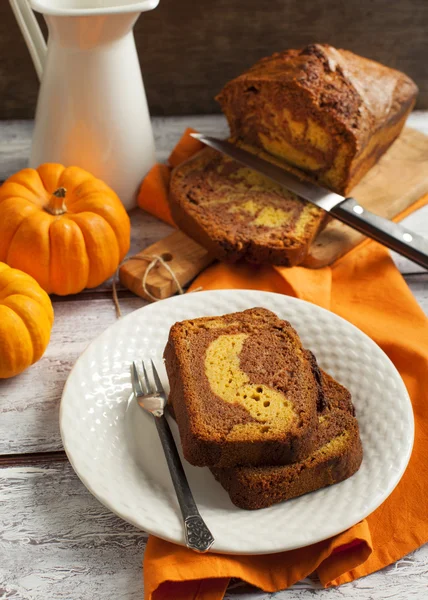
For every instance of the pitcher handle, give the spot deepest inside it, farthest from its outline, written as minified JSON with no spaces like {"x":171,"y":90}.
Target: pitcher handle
{"x":32,"y":33}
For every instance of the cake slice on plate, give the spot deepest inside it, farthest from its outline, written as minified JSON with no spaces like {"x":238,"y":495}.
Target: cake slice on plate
{"x":337,"y":455}
{"x":244,"y":390}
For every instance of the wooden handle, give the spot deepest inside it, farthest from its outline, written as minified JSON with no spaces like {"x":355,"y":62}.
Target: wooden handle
{"x":185,"y":257}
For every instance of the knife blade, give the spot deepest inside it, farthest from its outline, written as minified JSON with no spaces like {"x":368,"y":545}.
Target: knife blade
{"x":392,"y":235}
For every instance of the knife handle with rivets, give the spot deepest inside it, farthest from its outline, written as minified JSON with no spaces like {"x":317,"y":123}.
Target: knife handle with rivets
{"x":390,"y":234}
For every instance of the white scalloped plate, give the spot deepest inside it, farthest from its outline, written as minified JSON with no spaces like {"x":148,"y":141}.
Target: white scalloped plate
{"x":114,"y":449}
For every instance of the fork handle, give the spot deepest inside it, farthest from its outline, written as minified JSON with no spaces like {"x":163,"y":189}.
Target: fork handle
{"x":198,"y":536}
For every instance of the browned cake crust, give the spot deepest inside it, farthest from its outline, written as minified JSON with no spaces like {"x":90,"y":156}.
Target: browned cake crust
{"x":238,"y":214}
{"x":328,"y":112}
{"x":243,"y":390}
{"x":338,"y":454}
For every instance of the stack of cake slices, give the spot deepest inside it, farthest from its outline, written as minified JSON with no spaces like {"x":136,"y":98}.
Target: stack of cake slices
{"x":252,"y":404}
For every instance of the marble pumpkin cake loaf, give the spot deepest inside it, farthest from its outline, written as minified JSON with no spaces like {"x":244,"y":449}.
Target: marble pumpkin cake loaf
{"x":243,"y":390}
{"x":337,"y":455}
{"x":238,"y":214}
{"x":328,"y":112}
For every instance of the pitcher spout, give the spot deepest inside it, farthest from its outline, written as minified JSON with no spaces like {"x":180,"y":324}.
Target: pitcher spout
{"x":89,"y":32}
{"x":89,"y":23}
{"x":82,"y":8}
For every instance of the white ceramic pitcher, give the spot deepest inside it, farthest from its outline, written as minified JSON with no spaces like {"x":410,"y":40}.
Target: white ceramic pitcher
{"x":92,"y":109}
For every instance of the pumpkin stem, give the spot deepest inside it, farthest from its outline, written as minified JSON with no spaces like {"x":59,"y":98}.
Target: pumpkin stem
{"x":56,"y":205}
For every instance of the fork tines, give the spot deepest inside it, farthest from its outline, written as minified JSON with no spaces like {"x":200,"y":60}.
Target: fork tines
{"x":141,"y":386}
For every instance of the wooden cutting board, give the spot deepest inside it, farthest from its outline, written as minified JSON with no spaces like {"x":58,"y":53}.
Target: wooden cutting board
{"x":148,"y":273}
{"x":398,"y":180}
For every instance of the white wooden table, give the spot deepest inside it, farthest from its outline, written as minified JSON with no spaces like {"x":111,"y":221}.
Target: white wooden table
{"x":56,"y":540}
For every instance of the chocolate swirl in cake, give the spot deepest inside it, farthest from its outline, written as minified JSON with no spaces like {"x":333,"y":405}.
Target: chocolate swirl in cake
{"x":328,"y":112}
{"x":238,"y":214}
{"x":243,"y":389}
{"x":336,"y":456}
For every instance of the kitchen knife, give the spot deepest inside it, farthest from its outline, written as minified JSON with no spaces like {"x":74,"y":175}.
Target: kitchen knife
{"x":348,"y":210}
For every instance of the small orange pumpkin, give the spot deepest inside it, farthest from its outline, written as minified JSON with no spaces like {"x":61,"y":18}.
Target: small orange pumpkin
{"x":63,"y":227}
{"x":26,"y":317}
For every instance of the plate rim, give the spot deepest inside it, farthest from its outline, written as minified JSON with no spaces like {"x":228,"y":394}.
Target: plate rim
{"x":130,"y":519}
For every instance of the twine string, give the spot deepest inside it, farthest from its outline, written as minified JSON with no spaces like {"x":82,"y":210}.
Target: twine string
{"x":154,"y":260}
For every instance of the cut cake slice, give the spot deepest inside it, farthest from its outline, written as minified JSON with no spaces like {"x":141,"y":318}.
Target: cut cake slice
{"x":337,"y":455}
{"x":243,"y":390}
{"x":238,"y":214}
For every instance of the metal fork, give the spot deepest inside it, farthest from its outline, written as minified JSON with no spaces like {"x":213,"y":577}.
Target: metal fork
{"x":152,"y":398}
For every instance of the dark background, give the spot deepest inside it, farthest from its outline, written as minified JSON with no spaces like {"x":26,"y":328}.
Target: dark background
{"x":189,"y":48}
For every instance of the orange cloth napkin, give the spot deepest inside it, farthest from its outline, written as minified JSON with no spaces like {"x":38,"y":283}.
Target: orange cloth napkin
{"x":365,"y":288}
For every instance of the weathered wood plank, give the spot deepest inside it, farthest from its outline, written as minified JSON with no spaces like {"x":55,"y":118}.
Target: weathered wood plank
{"x":15,"y":137}
{"x":33,"y":459}
{"x":57,"y":541}
{"x":418,"y":284}
{"x":29,"y":403}
{"x":188,"y":50}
